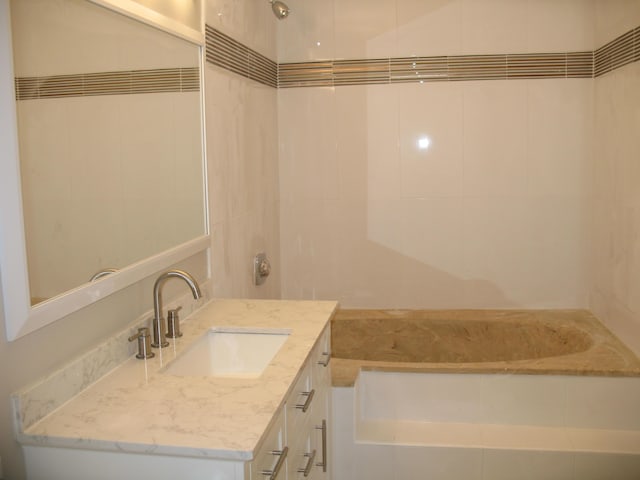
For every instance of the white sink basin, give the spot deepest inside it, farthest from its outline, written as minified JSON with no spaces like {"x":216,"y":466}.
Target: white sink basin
{"x":224,"y":352}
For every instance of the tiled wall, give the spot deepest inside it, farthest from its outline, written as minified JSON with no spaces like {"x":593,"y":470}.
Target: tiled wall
{"x":509,"y":201}
{"x":228,"y":53}
{"x":436,"y":69}
{"x":492,"y":213}
{"x":327,"y":30}
{"x":615,"y":216}
{"x":225,"y":52}
{"x":489,"y":215}
{"x":616,"y":53}
{"x":242,"y":135}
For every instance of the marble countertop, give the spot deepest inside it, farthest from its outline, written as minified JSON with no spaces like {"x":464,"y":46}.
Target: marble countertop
{"x":137,"y":408}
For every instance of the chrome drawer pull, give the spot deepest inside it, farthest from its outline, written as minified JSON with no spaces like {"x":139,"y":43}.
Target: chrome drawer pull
{"x":323,"y":463}
{"x":305,"y":406}
{"x":307,"y":469}
{"x":272,"y":474}
{"x":326,"y":361}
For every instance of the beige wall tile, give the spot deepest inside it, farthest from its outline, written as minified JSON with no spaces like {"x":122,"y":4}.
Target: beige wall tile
{"x":494,"y":26}
{"x":495,"y":120}
{"x":432,"y":27}
{"x":247,"y":21}
{"x":615,"y":17}
{"x":365,"y":30}
{"x":431,"y":139}
{"x":560,"y":138}
{"x":615,"y":220}
{"x":311,"y":36}
{"x":495,"y":230}
{"x":560,"y":25}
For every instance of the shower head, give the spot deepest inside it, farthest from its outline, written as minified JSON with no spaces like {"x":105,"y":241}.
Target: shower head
{"x":280,"y":9}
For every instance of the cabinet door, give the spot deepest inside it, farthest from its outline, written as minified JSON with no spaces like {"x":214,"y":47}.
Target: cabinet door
{"x":271,"y":460}
{"x":320,"y":435}
{"x":300,"y":404}
{"x":309,"y":456}
{"x":320,"y":359}
{"x":302,"y":463}
{"x":320,"y":420}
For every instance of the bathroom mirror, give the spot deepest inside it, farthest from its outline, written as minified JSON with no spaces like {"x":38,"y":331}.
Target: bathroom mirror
{"x":110,"y":174}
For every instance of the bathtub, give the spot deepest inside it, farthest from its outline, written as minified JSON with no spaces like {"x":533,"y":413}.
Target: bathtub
{"x":480,"y":395}
{"x":565,"y":342}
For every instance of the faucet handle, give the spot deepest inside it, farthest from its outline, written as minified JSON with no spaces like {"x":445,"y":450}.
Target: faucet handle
{"x":144,"y":343}
{"x":173,"y":323}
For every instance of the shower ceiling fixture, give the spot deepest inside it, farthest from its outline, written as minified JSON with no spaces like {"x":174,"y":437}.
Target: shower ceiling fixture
{"x":280,"y":9}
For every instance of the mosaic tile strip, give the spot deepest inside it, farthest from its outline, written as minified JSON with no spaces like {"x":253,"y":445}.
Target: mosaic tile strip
{"x":311,"y":74}
{"x":360,"y":72}
{"x":109,"y":83}
{"x":617,"y":53}
{"x":225,"y":52}
{"x":437,"y":69}
{"x":230,"y":54}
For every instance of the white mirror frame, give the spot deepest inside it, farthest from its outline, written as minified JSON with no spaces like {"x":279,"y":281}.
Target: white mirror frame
{"x":20,"y":317}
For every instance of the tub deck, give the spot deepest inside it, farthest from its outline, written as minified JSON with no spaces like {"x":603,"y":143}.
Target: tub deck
{"x":368,"y":339}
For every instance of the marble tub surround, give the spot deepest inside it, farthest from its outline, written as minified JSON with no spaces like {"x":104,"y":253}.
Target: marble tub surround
{"x":568,"y":342}
{"x":137,"y":408}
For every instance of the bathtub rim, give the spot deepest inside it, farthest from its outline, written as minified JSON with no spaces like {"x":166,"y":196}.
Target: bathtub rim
{"x":608,"y":356}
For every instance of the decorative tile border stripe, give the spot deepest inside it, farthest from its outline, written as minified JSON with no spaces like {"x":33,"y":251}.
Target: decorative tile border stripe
{"x":109,"y":83}
{"x":310,"y":74}
{"x":617,"y":53}
{"x":225,"y":52}
{"x":436,"y":69}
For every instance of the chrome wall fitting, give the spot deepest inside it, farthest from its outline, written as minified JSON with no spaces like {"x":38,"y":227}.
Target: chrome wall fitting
{"x":280,"y":9}
{"x":261,"y":268}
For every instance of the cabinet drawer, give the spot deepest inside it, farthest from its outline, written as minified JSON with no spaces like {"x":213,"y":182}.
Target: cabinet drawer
{"x":309,"y":458}
{"x":300,"y":403}
{"x":320,"y":435}
{"x":270,"y":461}
{"x":320,"y":359}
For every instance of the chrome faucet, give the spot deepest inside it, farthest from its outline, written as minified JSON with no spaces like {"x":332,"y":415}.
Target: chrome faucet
{"x":158,"y":321}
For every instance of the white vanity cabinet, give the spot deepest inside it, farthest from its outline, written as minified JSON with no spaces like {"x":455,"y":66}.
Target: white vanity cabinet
{"x":296,"y":447}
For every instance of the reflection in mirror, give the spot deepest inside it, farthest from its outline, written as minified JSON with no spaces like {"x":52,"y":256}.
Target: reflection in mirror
{"x":110,"y":141}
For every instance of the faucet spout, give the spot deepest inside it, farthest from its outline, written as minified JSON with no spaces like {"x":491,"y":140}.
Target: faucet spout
{"x":158,"y":320}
